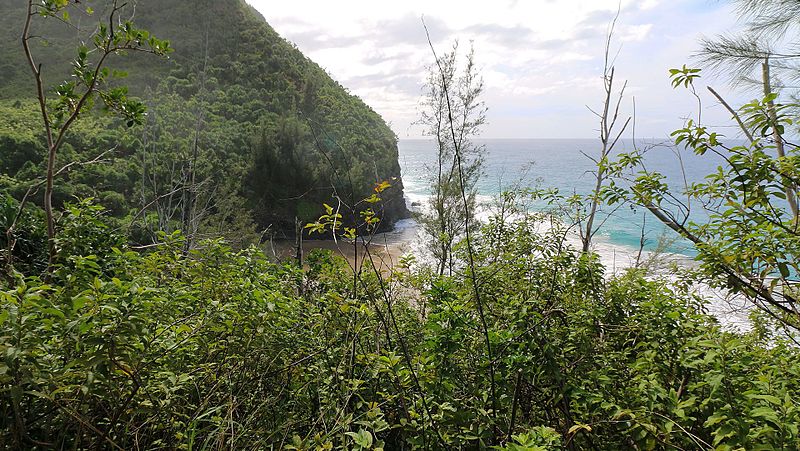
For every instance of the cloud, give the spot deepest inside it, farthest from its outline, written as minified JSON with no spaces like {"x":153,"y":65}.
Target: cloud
{"x":408,"y":29}
{"x":598,"y":18}
{"x":510,"y":36}
{"x":320,"y":41}
{"x":535,"y":56}
{"x":401,"y":83}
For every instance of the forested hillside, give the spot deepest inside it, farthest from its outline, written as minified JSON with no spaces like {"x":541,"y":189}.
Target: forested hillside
{"x":240,"y":124}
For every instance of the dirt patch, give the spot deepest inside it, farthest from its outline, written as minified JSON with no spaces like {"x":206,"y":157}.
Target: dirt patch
{"x":384,"y":256}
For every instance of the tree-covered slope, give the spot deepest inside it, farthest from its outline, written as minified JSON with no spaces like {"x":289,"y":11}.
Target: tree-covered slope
{"x":242,"y":127}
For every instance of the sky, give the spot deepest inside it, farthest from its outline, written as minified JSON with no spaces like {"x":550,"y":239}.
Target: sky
{"x":541,"y":60}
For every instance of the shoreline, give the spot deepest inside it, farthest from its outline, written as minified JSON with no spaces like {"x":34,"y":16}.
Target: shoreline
{"x":386,"y":249}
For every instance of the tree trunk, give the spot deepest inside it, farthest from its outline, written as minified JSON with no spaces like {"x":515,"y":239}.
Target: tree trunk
{"x":48,"y":207}
{"x":298,"y":242}
{"x":788,"y":186}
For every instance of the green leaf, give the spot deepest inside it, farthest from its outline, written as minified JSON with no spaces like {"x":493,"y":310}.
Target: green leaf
{"x":579,"y":427}
{"x":767,"y":414}
{"x":769,"y":398}
{"x":784,"y":269}
{"x":78,"y":302}
{"x":54,"y":312}
{"x":362,"y":438}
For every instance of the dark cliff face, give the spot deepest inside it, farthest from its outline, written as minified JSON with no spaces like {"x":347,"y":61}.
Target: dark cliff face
{"x":274,"y":125}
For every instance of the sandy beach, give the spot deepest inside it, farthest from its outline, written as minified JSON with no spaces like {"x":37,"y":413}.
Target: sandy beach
{"x":384,"y":255}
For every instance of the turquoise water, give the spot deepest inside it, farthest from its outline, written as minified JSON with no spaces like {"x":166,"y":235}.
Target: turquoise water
{"x":559,"y":163}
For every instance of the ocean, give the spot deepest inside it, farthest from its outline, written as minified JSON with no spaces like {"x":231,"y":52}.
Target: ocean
{"x":561,"y":164}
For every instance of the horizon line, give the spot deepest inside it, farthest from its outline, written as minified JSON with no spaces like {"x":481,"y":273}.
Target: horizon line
{"x":425,"y":138}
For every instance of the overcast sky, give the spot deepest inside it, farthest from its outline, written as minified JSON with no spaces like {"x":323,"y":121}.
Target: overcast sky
{"x":541,"y":60}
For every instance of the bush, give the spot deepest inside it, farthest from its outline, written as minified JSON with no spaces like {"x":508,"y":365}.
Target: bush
{"x":217,"y":347}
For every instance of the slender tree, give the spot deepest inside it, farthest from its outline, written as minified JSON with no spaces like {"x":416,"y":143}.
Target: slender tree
{"x":461,"y":116}
{"x":759,"y":55}
{"x":453,"y":114}
{"x":610,"y":133}
{"x":89,"y":82}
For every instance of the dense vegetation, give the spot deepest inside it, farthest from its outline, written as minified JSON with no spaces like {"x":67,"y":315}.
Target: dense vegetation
{"x":519,"y":341}
{"x":221,"y":348}
{"x":241,"y":125}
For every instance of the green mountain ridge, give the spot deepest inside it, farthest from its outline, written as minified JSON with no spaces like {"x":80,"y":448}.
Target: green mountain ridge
{"x":275,"y":136}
